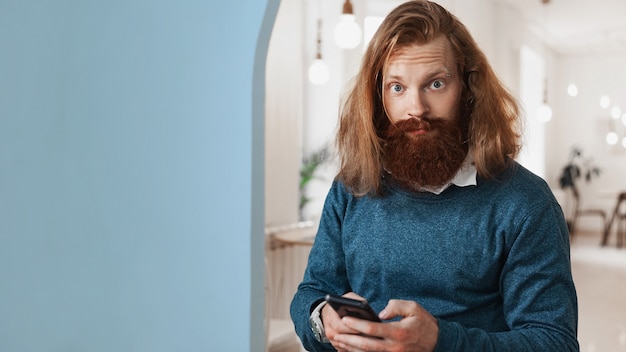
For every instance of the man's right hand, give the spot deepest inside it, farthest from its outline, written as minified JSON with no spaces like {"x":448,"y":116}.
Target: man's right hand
{"x":333,"y":325}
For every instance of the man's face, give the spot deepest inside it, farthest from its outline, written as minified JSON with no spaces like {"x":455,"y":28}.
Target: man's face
{"x":421,"y":81}
{"x":425,"y":143}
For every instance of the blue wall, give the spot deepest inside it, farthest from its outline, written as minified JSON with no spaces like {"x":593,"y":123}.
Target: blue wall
{"x":131,"y":174}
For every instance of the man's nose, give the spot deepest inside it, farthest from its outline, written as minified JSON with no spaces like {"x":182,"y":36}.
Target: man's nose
{"x":418,"y":105}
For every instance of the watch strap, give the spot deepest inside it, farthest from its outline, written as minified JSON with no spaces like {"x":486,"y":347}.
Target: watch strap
{"x":316,"y":323}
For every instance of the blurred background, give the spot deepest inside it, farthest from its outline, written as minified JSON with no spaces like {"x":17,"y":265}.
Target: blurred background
{"x":565,"y":60}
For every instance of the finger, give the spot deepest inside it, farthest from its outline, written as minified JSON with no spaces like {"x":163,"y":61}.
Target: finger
{"x":339,"y":327}
{"x":400,"y":308}
{"x":334,"y":325}
{"x":358,"y":342}
{"x":353,"y":296}
{"x":365,"y":327}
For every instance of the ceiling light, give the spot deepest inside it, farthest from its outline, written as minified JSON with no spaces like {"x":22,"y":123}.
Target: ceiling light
{"x":318,"y":71}
{"x":605,"y":101}
{"x":572,"y":90}
{"x":616,"y":112}
{"x":544,"y":113}
{"x":611,"y":138}
{"x":347,"y":31}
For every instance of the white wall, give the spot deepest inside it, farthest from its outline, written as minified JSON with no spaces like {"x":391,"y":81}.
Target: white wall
{"x":284,"y":115}
{"x":581,"y":121}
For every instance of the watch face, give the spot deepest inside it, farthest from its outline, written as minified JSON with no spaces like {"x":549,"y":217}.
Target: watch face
{"x":316,"y":328}
{"x":316,"y":333}
{"x":316,"y":324}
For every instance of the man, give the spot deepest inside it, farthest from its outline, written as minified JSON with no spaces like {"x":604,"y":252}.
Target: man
{"x":430,"y":219}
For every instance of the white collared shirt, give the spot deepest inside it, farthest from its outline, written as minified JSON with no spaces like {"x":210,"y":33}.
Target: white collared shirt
{"x":466,"y":176}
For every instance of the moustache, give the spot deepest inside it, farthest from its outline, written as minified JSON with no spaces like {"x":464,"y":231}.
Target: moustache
{"x":414,"y":124}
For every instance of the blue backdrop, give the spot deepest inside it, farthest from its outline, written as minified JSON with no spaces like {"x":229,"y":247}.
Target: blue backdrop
{"x":131,"y":174}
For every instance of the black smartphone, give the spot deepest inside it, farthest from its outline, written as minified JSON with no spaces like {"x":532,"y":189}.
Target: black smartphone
{"x":352,"y":307}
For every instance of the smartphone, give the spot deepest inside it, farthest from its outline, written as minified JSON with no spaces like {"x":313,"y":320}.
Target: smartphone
{"x":352,"y":307}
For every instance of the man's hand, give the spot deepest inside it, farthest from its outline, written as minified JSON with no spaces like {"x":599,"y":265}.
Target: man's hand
{"x":334,"y":325}
{"x":417,"y":329}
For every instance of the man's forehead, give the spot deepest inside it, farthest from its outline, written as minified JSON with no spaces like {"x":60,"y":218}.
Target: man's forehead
{"x":437,"y":50}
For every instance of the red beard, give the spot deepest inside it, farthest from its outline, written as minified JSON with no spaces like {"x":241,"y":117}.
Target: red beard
{"x":428,"y":160}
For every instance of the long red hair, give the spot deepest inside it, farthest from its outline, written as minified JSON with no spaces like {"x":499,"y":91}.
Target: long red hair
{"x":492,"y":114}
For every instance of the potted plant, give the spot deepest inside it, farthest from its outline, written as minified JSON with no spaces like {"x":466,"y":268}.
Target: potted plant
{"x":576,"y":167}
{"x":310,"y":163}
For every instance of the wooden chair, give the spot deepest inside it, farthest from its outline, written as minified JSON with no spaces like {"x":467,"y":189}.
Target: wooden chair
{"x":619,"y":215}
{"x":579,"y":211}
{"x":621,"y":229}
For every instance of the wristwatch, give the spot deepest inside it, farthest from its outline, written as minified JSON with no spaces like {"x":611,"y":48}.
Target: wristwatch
{"x":316,"y":324}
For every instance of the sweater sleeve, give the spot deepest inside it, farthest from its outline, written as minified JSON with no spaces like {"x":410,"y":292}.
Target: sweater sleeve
{"x":325,"y":272}
{"x":538,"y":293}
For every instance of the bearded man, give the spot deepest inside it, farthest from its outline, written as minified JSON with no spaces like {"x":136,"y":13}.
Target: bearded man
{"x":430,"y":219}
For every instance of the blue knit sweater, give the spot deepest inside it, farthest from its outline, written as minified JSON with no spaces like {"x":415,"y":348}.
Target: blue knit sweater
{"x":490,"y":262}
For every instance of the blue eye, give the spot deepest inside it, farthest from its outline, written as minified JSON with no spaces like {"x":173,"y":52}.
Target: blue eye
{"x":437,"y":84}
{"x":396,"y":88}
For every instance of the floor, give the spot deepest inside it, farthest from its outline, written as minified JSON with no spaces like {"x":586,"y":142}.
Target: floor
{"x":600,"y":278}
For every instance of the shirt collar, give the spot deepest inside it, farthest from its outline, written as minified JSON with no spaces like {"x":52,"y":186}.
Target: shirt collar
{"x":466,"y":176}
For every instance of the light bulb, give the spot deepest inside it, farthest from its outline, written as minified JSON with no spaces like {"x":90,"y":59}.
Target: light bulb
{"x":605,"y":102}
{"x":616,"y":112}
{"x":611,"y":138}
{"x":572,"y":90}
{"x":544,"y":113}
{"x":318,"y":72}
{"x":347,"y":32}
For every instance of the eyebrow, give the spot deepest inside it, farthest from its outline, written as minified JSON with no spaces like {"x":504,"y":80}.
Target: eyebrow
{"x":430,"y":75}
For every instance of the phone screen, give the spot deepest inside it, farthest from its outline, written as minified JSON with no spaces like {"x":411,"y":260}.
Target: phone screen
{"x":352,"y":307}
